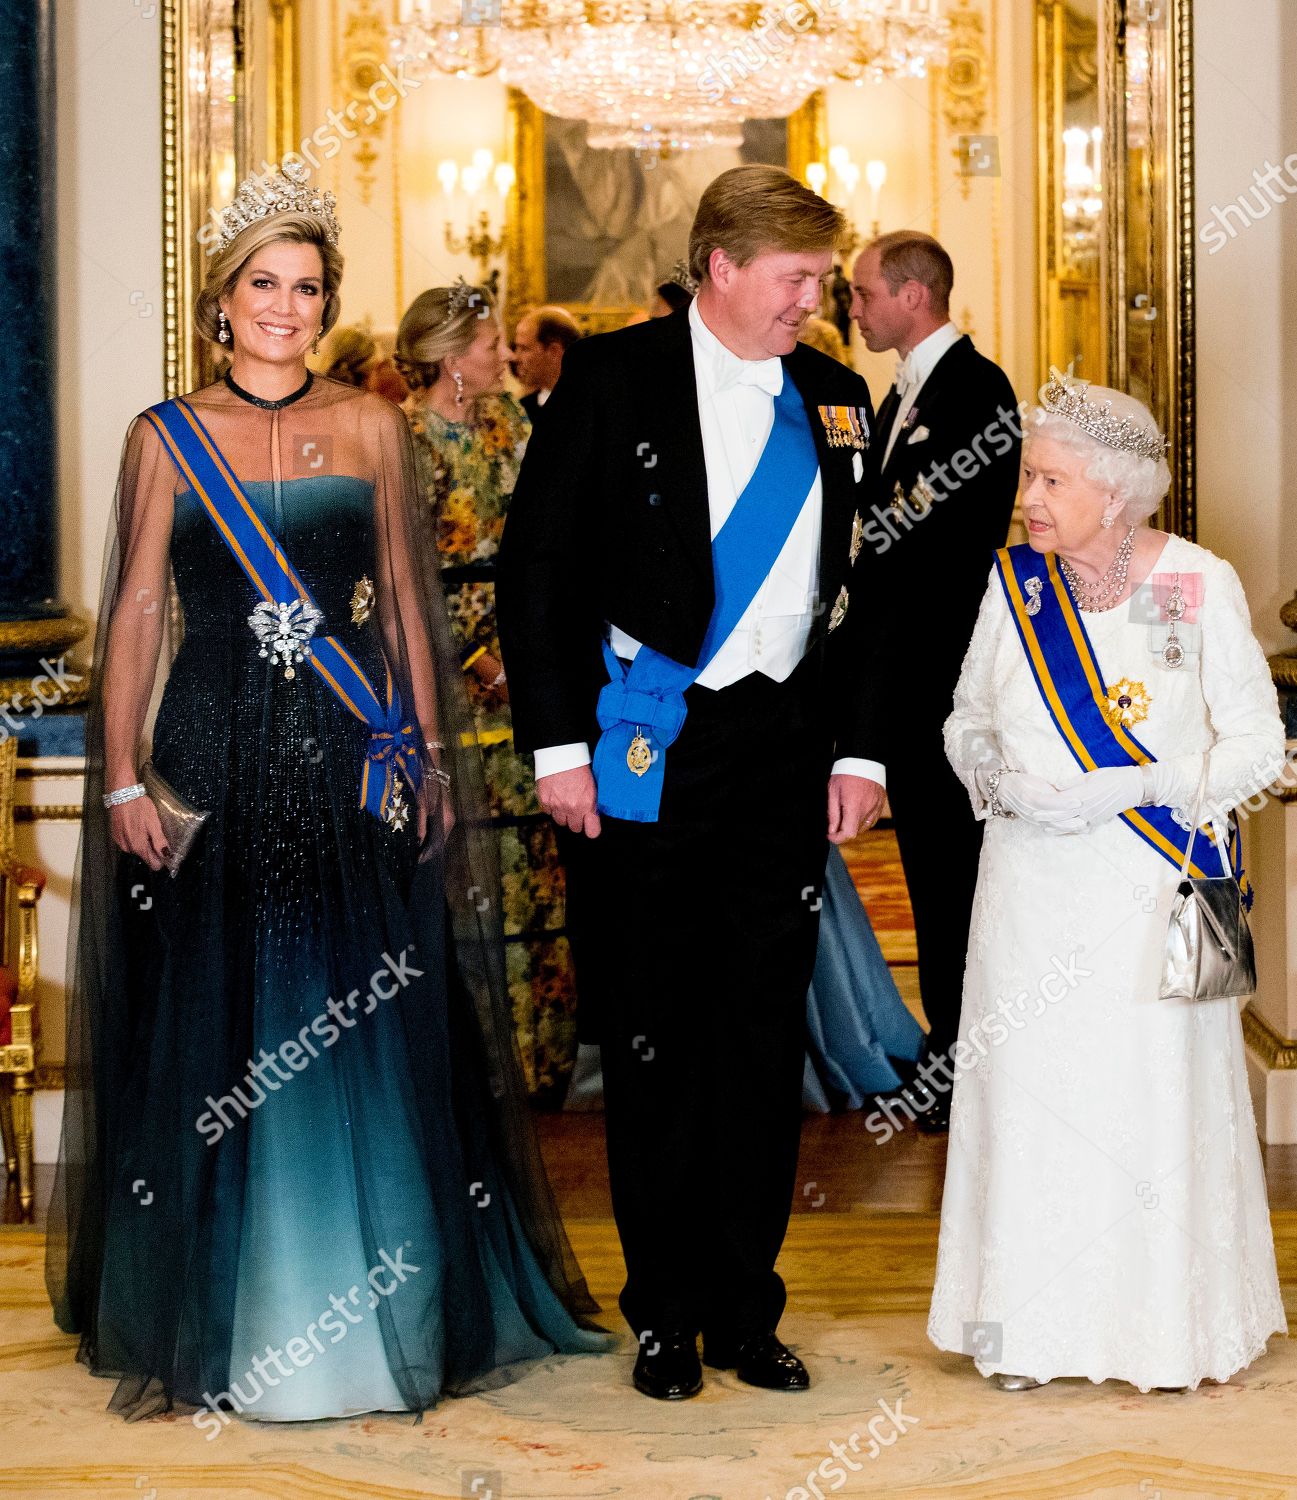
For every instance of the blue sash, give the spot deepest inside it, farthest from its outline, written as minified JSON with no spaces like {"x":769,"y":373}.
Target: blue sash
{"x":647,"y":699}
{"x":394,"y":741}
{"x":1071,"y":684}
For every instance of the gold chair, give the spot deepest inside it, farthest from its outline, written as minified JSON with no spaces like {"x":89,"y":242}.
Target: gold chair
{"x":20,"y":890}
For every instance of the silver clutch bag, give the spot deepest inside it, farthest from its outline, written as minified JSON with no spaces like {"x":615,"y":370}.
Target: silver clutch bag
{"x":1209,"y":953}
{"x":181,"y":821}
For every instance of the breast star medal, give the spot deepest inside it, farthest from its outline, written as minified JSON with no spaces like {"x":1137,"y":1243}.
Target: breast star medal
{"x":640,"y":755}
{"x":839,"y":610}
{"x":857,"y":538}
{"x":362,"y":601}
{"x":1127,"y":704}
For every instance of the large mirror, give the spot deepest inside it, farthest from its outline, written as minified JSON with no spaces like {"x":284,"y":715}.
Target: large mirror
{"x":1070,"y":222}
{"x":1115,"y":184}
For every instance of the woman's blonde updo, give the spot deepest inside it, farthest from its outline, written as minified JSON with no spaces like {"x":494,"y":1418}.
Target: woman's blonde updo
{"x":227,"y":266}
{"x":431,"y":332}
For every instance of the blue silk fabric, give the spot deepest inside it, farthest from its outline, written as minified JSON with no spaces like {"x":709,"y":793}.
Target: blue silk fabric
{"x":647,"y":698}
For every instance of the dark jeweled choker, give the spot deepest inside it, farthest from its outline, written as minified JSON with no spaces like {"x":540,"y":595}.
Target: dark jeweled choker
{"x":269,"y":405}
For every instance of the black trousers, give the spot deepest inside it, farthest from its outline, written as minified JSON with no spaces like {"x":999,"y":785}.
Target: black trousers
{"x":941,"y":844}
{"x":694,"y":939}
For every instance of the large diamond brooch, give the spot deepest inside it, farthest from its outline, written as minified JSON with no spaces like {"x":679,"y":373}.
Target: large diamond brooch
{"x":285,"y":631}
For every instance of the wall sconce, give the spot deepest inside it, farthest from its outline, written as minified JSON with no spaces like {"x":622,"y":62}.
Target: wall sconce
{"x":478,"y":240}
{"x":875,"y":176}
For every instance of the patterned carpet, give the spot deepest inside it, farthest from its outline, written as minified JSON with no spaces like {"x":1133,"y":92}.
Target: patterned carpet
{"x":859,"y":1274}
{"x":575,"y":1430}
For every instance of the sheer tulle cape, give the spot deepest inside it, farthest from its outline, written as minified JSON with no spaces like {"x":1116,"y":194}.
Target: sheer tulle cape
{"x":292,"y":895}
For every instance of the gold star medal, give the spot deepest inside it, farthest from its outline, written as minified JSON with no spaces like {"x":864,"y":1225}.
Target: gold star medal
{"x":640,"y":755}
{"x":839,"y":610}
{"x":362,"y":601}
{"x":1126,"y":704}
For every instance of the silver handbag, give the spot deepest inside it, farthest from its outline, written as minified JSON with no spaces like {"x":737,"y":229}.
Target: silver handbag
{"x":1209,"y":954}
{"x":181,"y":821}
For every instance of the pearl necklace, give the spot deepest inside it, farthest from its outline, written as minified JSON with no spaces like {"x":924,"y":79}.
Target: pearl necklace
{"x":1104,"y":593}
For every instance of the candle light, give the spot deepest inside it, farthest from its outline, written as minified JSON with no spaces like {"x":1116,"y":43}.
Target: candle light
{"x":817,"y":174}
{"x":875,"y":176}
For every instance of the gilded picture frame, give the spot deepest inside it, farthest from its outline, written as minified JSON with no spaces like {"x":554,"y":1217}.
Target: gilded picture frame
{"x":526,"y":281}
{"x":208,"y":148}
{"x":1128,"y":321}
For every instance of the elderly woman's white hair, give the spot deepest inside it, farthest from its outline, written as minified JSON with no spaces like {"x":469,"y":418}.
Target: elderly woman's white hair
{"x":1140,"y":482}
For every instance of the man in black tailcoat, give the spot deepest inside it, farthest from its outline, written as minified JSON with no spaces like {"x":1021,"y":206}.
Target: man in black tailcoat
{"x":698,"y":833}
{"x":949,"y":444}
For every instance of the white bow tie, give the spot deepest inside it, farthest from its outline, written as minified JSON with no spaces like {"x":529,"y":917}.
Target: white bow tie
{"x":907,"y":377}
{"x":766,"y":374}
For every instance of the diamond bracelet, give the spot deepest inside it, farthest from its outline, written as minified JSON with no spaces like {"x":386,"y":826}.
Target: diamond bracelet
{"x":997,"y":808}
{"x":124,"y":794}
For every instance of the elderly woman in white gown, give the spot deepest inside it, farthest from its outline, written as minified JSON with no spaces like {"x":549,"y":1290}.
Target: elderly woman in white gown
{"x":1105,"y":1210}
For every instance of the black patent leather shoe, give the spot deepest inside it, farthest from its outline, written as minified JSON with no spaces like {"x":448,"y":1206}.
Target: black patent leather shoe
{"x":935,"y":1120}
{"x":667,"y":1366}
{"x":759,"y":1360}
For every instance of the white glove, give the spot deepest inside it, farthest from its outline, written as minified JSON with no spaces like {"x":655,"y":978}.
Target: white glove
{"x":1037,"y":801}
{"x":1098,"y":796}
{"x":1164,"y":786}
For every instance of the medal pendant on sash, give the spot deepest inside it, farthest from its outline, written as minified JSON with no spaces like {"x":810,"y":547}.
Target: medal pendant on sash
{"x":640,"y":756}
{"x":1173,"y":651}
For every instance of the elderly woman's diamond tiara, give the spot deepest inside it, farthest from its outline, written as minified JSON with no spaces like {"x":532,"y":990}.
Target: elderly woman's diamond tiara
{"x":285,"y":192}
{"x":1065,"y":396}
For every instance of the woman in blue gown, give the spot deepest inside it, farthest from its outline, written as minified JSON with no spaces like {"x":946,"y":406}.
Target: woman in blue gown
{"x":298,"y":1175}
{"x":859,"y":1034}
{"x":857,"y":1026}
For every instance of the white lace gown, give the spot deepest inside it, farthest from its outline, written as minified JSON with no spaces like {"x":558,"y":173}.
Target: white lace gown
{"x":1105,"y":1208}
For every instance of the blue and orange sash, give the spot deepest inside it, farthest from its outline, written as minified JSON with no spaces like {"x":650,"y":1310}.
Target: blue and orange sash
{"x":394,"y":741}
{"x":645,"y":702}
{"x":1071,"y":685}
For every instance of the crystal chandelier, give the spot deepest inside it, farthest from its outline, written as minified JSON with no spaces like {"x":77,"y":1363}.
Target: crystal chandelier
{"x":666,"y":75}
{"x":872,"y":40}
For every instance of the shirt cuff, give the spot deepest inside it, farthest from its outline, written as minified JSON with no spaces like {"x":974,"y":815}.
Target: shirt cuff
{"x":555,"y":758}
{"x":852,"y":765}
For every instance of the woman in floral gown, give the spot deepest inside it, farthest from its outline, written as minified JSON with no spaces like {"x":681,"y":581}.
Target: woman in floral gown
{"x":469,"y":438}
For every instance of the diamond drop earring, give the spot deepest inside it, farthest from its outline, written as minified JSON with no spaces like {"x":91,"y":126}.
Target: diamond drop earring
{"x":459,"y":387}
{"x":223,"y":332}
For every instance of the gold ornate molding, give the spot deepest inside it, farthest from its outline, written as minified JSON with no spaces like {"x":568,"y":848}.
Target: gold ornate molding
{"x":283,"y":105}
{"x":1277,"y":1052}
{"x":965,"y":80}
{"x":56,"y":634}
{"x":808,"y":135}
{"x":174,"y":373}
{"x":525,"y":230}
{"x":1183,"y":277}
{"x":52,"y":812}
{"x":356,"y":71}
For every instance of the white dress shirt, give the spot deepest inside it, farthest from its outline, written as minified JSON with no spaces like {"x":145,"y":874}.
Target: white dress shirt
{"x":914,"y":369}
{"x":736,"y":410}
